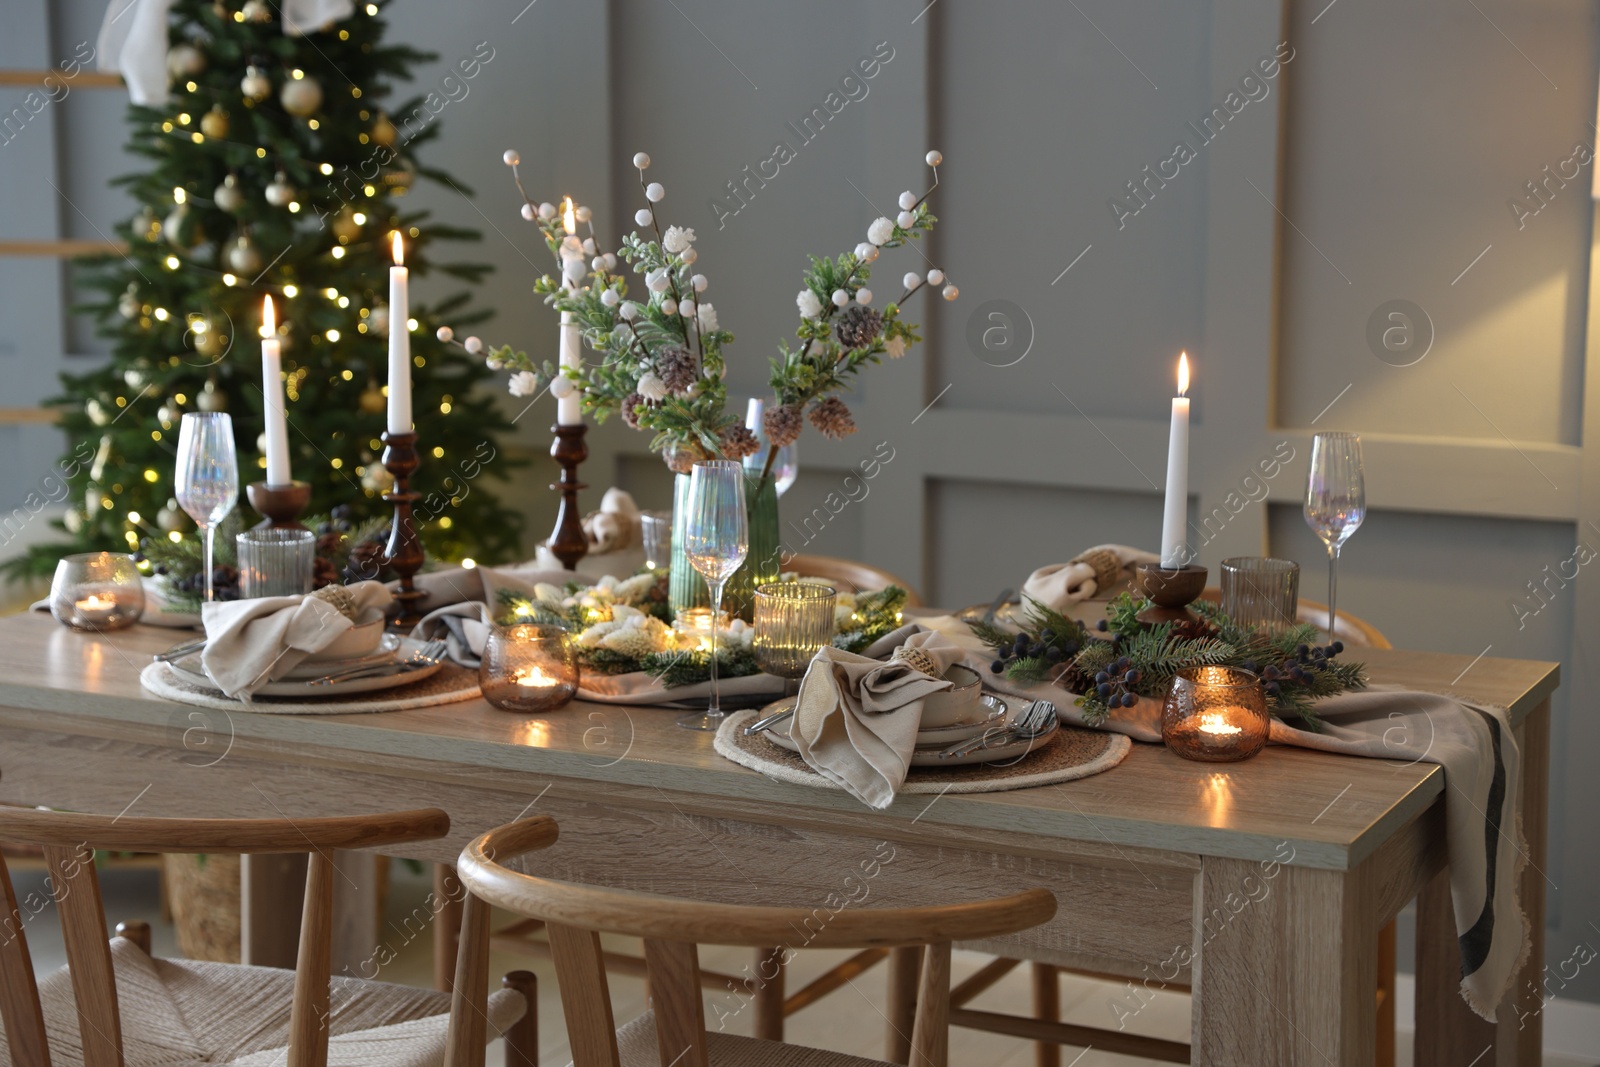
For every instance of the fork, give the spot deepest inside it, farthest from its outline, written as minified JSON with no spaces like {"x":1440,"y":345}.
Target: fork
{"x":429,"y":655}
{"x":1037,"y":721}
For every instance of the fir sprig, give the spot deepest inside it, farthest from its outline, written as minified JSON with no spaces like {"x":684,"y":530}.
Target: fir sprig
{"x":875,"y":615}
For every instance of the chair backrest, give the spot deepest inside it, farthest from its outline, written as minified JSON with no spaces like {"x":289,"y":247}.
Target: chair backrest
{"x":69,"y":842}
{"x":576,"y":915}
{"x":1353,"y":631}
{"x":850,"y":576}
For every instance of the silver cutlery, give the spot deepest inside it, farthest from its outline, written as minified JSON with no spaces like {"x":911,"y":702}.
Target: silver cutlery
{"x":429,"y":655}
{"x":1039,"y":720}
{"x":176,"y":652}
{"x":999,"y":602}
{"x":768,"y":722}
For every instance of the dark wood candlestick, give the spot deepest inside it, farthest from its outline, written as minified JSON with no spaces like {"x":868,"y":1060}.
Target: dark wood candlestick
{"x":568,"y":542}
{"x":404,"y":550}
{"x":281,"y":504}
{"x":1171,"y":591}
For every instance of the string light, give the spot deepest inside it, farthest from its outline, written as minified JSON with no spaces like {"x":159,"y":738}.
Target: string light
{"x":333,"y":335}
{"x":336,"y":463}
{"x":173,"y":535}
{"x":291,"y":290}
{"x":438,"y":453}
{"x":173,"y":263}
{"x":360,"y":218}
{"x":338,"y":252}
{"x":133,"y":516}
{"x":294,"y":207}
{"x":197,"y":137}
{"x":326,"y":168}
{"x":179,"y":194}
{"x":161,"y":313}
{"x":347,"y":375}
{"x":344,"y":301}
{"x":331,"y":293}
{"x":191,"y":86}
{"x":228,"y":279}
{"x":297,"y":74}
{"x":183,"y":119}
{"x":445,"y":522}
{"x":152,"y":477}
{"x":411,"y":325}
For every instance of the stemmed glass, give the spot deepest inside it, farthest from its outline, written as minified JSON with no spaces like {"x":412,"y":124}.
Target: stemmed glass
{"x":208,"y":476}
{"x":1336,"y":499}
{"x":716,"y":541}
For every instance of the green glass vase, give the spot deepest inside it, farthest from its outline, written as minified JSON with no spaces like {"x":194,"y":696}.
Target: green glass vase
{"x":687,"y":589}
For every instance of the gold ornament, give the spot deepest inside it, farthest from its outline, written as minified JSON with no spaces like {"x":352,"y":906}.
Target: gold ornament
{"x":243,"y":256}
{"x":185,"y":61}
{"x":171,"y":518}
{"x":399,"y":179}
{"x":227,"y":196}
{"x":214,"y":123}
{"x":181,"y":230}
{"x":255,"y":86}
{"x":301,"y":96}
{"x":383,"y":131}
{"x":373,"y":402}
{"x":279,"y":193}
{"x":256,"y":11}
{"x":345,"y":226}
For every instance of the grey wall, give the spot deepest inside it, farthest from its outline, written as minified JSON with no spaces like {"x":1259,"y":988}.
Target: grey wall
{"x":1377,"y":165}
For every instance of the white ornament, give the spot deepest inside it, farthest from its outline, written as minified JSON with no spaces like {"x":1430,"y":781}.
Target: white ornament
{"x":495,"y":363}
{"x":185,"y":61}
{"x":951,"y":292}
{"x":445,"y":334}
{"x":934,"y":158}
{"x":911,"y":280}
{"x":652,"y":388}
{"x":686,"y":309}
{"x":547,"y":211}
{"x":280,"y":193}
{"x":905,"y":220}
{"x":840,"y":298}
{"x":935,"y":276}
{"x":255,"y":85}
{"x":657,"y":281}
{"x":256,"y":11}
{"x":574,"y":269}
{"x":863,"y":296}
{"x":880,"y":231}
{"x":597,"y":264}
{"x":523,"y":383}
{"x":128,"y":303}
{"x":529,"y":212}
{"x":511,"y":157}
{"x":669,"y":306}
{"x":301,"y":96}
{"x":810,"y":307}
{"x":689,"y":255}
{"x":654,"y":192}
{"x":582,"y":213}
{"x":611,"y":261}
{"x":699,"y":282}
{"x":908,"y":200}
{"x":610,"y":298}
{"x":243,"y":257}
{"x":473,"y":345}
{"x":563,"y":387}
{"x":641,"y":160}
{"x":643,"y":217}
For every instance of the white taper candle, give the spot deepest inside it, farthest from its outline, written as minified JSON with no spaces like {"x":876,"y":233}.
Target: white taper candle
{"x":1175,"y":516}
{"x":399,"y":344}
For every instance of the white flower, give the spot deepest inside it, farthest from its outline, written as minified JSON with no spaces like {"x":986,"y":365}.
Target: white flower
{"x":562,"y":386}
{"x":908,"y":200}
{"x":592,"y":637}
{"x":905,"y":220}
{"x":641,"y":160}
{"x":624,"y":614}
{"x":708,"y":318}
{"x":524,"y":383}
{"x":652,"y":388}
{"x":610,"y":298}
{"x":895,"y":347}
{"x":511,"y":157}
{"x":654,"y":192}
{"x":686,"y":309}
{"x":550,"y":594}
{"x":841,"y":297}
{"x":473,"y":345}
{"x":689,"y":256}
{"x":629,"y":311}
{"x":699,"y":282}
{"x":934,"y":158}
{"x":863,"y":296}
{"x":657,"y":281}
{"x":669,"y":306}
{"x":629,"y":590}
{"x":951,"y":292}
{"x":643,"y":217}
{"x":529,"y":212}
{"x":935,"y":276}
{"x":677,"y":239}
{"x":445,"y":334}
{"x":810,"y":306}
{"x":547,"y":210}
{"x":607,"y":582}
{"x":880,"y":231}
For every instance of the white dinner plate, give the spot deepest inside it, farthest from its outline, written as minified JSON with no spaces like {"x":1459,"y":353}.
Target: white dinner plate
{"x":927,"y":755}
{"x":190,"y":669}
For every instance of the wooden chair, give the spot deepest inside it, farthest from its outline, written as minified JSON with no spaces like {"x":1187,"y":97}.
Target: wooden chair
{"x":673,"y":1034}
{"x":114,"y":1004}
{"x":849,"y":576}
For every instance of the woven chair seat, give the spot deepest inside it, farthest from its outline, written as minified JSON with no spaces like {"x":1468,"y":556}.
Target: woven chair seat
{"x":636,"y":1047}
{"x":184,"y":1013}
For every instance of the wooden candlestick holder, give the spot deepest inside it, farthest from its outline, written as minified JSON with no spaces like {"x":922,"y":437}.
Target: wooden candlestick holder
{"x":568,"y":542}
{"x":281,"y":504}
{"x":1172,"y":590}
{"x":404,"y":550}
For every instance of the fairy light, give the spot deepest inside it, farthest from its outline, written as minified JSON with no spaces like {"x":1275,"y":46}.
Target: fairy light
{"x":336,"y":463}
{"x":179,"y":194}
{"x":230,"y":280}
{"x":338,"y":251}
{"x":326,"y":168}
{"x":333,"y":335}
{"x":411,"y":325}
{"x":314,"y":124}
{"x":359,"y":218}
{"x":184,"y":119}
{"x":291,"y":290}
{"x":344,"y":301}
{"x":370,"y":190}
{"x":331,"y":293}
{"x":297,"y":74}
{"x":347,"y":375}
{"x":261,"y":153}
{"x":294,"y":207}
{"x":446,"y":522}
{"x":438,"y":453}
{"x":161,"y":313}
{"x":152,"y":477}
{"x":134,"y":517}
{"x":173,"y":535}
{"x":173,"y":263}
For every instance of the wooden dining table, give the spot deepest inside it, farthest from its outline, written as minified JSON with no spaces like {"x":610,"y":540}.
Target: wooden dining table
{"x":1260,"y":885}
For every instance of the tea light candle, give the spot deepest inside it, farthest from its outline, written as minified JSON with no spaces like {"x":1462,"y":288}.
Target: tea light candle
{"x":1216,"y":724}
{"x":1215,"y":714}
{"x":696,"y":623}
{"x":536,"y":678}
{"x":528,"y":668}
{"x":96,"y":607}
{"x":97,"y":591}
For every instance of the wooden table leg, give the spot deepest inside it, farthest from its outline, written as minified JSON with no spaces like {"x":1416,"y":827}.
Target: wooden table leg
{"x":1448,"y":1032}
{"x":271,"y":889}
{"x":1046,"y":1006}
{"x":1286,"y":967}
{"x":905,"y":969}
{"x":769,"y":994}
{"x":447,"y":891}
{"x":1386,"y":971}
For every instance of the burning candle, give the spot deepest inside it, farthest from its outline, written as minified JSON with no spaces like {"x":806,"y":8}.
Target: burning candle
{"x":1215,"y":724}
{"x":1175,"y":518}
{"x":96,"y":607}
{"x":569,"y":408}
{"x":1216,"y":714}
{"x":535,"y":677}
{"x":272,"y":392}
{"x":399,"y":343}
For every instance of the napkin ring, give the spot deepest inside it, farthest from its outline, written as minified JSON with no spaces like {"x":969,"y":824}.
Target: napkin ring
{"x":916,"y":659}
{"x":1107,"y":566}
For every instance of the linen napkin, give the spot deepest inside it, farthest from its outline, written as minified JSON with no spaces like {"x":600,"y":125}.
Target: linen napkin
{"x":252,"y":642}
{"x":857,"y":718}
{"x":1096,"y":570}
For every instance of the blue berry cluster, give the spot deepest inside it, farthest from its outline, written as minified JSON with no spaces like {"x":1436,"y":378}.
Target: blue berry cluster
{"x":1047,"y":645}
{"x":1115,"y":685}
{"x":1296,"y":668}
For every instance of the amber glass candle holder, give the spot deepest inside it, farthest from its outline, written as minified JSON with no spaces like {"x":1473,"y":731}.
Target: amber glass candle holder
{"x":1215,"y":714}
{"x":528,"y":668}
{"x":97,"y":591}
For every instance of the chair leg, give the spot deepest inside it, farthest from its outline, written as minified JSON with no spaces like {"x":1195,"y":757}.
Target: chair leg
{"x":522,"y":1040}
{"x":905,"y":970}
{"x":769,"y":994}
{"x":1046,"y":1007}
{"x":448,"y":892}
{"x":137,"y":932}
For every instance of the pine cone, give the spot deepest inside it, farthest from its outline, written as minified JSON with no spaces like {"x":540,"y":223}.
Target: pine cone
{"x":859,"y":326}
{"x":832,"y":418}
{"x":682,"y":457}
{"x":738,"y":442}
{"x":365,"y":562}
{"x":783,"y":425}
{"x":678,"y":368}
{"x":630,"y":406}
{"x":1074,"y":680}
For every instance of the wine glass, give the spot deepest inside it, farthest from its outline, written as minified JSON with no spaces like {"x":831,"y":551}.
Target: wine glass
{"x":716,"y":541}
{"x":208,"y":476}
{"x":1336,"y":499}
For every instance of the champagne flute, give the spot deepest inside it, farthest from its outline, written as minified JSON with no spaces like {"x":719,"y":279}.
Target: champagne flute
{"x":208,"y":476}
{"x":716,"y":541}
{"x":1336,"y":499}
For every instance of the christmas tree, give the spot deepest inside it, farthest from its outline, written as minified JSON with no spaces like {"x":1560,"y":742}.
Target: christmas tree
{"x":276,"y":170}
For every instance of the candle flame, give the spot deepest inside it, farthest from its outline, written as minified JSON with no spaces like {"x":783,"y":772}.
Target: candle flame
{"x":569,"y":217}
{"x":536,"y":677}
{"x":1183,"y":374}
{"x":269,"y":318}
{"x":399,"y":251}
{"x":1213,"y":722}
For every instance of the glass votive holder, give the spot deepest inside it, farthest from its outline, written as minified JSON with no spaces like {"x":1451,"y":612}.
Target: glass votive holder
{"x":694,"y":626}
{"x":1260,"y":593}
{"x":276,"y":562}
{"x":792,"y":621}
{"x":528,"y":668}
{"x":97,"y":591}
{"x":1215,"y":714}
{"x":655,"y":530}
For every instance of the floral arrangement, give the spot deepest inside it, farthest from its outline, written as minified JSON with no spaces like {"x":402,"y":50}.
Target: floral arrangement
{"x":1138,"y":660}
{"x":662,"y":367}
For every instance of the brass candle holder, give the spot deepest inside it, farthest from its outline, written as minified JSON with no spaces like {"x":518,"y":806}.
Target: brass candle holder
{"x":568,"y":542}
{"x":404,"y":550}
{"x":281,"y":504}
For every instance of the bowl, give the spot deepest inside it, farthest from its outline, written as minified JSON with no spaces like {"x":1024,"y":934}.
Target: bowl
{"x":959,"y":703}
{"x":360,"y":640}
